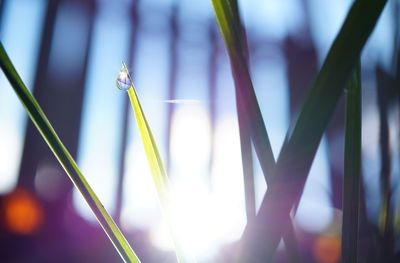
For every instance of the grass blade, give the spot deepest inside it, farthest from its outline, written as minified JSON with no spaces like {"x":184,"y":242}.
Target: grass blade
{"x":244,"y":133}
{"x":352,"y":169}
{"x":63,"y":156}
{"x":156,"y":165}
{"x":230,"y":29}
{"x":251,"y":123}
{"x":247,"y":165}
{"x":261,"y":238}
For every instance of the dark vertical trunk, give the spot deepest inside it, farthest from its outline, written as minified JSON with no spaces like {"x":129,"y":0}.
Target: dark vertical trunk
{"x":2,"y":5}
{"x":58,"y":87}
{"x":34,"y":148}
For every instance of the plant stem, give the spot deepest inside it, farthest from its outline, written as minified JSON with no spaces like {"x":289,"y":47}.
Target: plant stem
{"x":352,"y":169}
{"x":251,"y":123}
{"x":261,"y":238}
{"x":63,"y":156}
{"x":158,"y":172}
{"x":244,"y":132}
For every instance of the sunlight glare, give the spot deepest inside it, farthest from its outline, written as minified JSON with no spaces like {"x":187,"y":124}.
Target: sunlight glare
{"x":190,"y":139}
{"x":205,"y":219}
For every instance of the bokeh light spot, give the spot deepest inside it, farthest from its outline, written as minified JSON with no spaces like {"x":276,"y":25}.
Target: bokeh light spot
{"x":326,"y":249}
{"x":22,"y":212}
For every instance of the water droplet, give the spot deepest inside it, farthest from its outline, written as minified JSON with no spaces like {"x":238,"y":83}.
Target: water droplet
{"x":124,"y":81}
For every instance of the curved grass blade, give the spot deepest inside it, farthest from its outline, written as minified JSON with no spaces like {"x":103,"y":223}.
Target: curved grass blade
{"x":352,"y":169}
{"x":67,"y":162}
{"x":261,"y":238}
{"x":158,"y":172}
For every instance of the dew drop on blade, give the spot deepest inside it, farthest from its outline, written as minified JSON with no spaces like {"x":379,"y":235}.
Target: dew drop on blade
{"x":124,"y":81}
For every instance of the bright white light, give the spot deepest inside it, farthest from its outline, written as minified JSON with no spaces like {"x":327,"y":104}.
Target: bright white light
{"x":140,"y":208}
{"x":190,"y":140}
{"x":203,"y":222}
{"x":10,"y":149}
{"x":205,"y":219}
{"x":193,"y":219}
{"x":227,"y":181}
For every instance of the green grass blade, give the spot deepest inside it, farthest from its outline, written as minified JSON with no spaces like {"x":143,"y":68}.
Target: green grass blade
{"x":231,"y":31}
{"x":247,"y":166}
{"x":261,"y":238}
{"x":63,"y":156}
{"x":158,"y":172}
{"x":244,"y":133}
{"x":352,"y":169}
{"x":250,"y":119}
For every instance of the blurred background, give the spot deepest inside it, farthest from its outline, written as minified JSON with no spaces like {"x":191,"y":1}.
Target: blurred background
{"x":69,"y":53}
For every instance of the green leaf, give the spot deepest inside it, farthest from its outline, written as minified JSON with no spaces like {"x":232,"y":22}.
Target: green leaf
{"x":244,"y":133}
{"x":260,"y":239}
{"x":156,"y":165}
{"x":231,"y":31}
{"x":64,"y":157}
{"x":352,"y":169}
{"x":251,"y":123}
